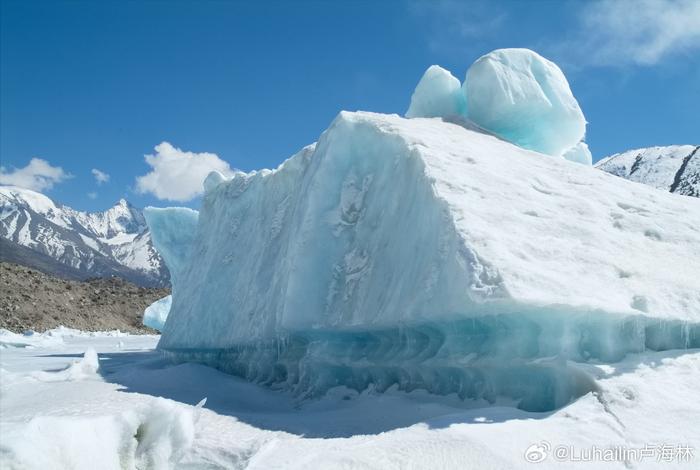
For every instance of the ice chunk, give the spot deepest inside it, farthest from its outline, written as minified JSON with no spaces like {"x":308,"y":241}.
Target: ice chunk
{"x":421,"y":254}
{"x":579,"y":153}
{"x":524,"y":98}
{"x":172,"y":231}
{"x":213,"y":180}
{"x":155,"y":314}
{"x":438,"y":94}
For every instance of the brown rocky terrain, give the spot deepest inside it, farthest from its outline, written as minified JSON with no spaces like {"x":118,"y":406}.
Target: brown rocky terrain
{"x":30,"y":299}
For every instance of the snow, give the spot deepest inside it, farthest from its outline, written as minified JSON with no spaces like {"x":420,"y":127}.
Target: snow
{"x":140,"y":411}
{"x":120,"y":234}
{"x":155,"y":314}
{"x":525,"y":99}
{"x":438,"y":94}
{"x":91,"y":242}
{"x":374,"y":258}
{"x":658,"y":167}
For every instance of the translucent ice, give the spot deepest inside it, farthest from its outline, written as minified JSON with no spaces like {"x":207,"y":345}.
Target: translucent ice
{"x":173,"y":231}
{"x":438,"y":94}
{"x":525,"y":99}
{"x":579,"y":153}
{"x":155,"y":314}
{"x":420,"y":254}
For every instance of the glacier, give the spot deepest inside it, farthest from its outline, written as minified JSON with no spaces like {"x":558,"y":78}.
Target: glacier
{"x":425,"y":254}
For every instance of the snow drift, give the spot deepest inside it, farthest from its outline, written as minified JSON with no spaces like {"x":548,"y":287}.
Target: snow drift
{"x":422,"y":254}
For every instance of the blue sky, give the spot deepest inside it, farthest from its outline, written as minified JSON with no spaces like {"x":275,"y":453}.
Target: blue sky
{"x":98,"y":85}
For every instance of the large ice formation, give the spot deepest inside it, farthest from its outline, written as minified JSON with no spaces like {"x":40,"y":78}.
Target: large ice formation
{"x":420,"y":254}
{"x":438,"y":94}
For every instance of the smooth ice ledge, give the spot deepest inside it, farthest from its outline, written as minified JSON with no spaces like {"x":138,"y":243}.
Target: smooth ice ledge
{"x":391,"y":225}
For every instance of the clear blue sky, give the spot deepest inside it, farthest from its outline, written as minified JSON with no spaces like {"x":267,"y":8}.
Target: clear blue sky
{"x":98,"y":84}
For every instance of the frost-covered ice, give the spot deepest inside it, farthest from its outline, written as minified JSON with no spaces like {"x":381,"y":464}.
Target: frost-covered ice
{"x":526,"y":99}
{"x":155,"y":314}
{"x":141,"y":412}
{"x":438,"y":94}
{"x":421,"y":254}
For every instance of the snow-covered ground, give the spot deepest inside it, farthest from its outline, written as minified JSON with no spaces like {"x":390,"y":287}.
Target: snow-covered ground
{"x":62,"y":408}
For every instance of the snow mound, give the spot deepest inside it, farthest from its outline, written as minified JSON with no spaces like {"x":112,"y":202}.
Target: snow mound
{"x":438,"y":94}
{"x":524,"y":98}
{"x":155,"y":314}
{"x":156,"y":437}
{"x":420,"y":254}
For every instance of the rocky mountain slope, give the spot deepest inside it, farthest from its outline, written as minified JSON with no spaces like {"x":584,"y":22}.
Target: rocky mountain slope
{"x":115,"y":242}
{"x":30,"y":299}
{"x":675,"y":168}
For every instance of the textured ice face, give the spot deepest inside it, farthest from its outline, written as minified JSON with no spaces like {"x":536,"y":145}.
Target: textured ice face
{"x":438,"y":94}
{"x":579,"y":153}
{"x":525,"y":99}
{"x":422,"y":254}
{"x":155,"y":314}
{"x":173,"y":231}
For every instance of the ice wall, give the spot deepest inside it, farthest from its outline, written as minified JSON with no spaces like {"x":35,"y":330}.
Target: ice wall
{"x":174,"y":231}
{"x":421,"y":254}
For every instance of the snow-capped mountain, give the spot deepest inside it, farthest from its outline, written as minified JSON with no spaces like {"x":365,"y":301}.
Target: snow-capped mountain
{"x":94,"y":244}
{"x":675,"y":168}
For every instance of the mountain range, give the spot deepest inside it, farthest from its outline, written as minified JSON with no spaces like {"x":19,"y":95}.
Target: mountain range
{"x":38,"y":232}
{"x":674,"y":168}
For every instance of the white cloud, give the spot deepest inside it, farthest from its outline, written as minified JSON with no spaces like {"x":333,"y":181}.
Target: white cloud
{"x":639,"y":32}
{"x":38,"y":175}
{"x":100,"y":176}
{"x":92,"y":195}
{"x":177,"y":175}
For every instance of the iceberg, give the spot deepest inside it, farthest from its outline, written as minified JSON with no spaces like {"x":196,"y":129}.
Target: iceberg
{"x":438,"y":94}
{"x":155,"y":314}
{"x":524,"y":98}
{"x":424,"y":254}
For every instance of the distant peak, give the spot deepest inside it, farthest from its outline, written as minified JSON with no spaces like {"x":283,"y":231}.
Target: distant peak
{"x":123,"y":202}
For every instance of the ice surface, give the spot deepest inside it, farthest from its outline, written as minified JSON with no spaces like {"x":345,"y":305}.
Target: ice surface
{"x":525,"y":99}
{"x":117,"y":420}
{"x":176,"y":228}
{"x":438,"y":94}
{"x":420,"y":254}
{"x":579,"y":153}
{"x":155,"y":314}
